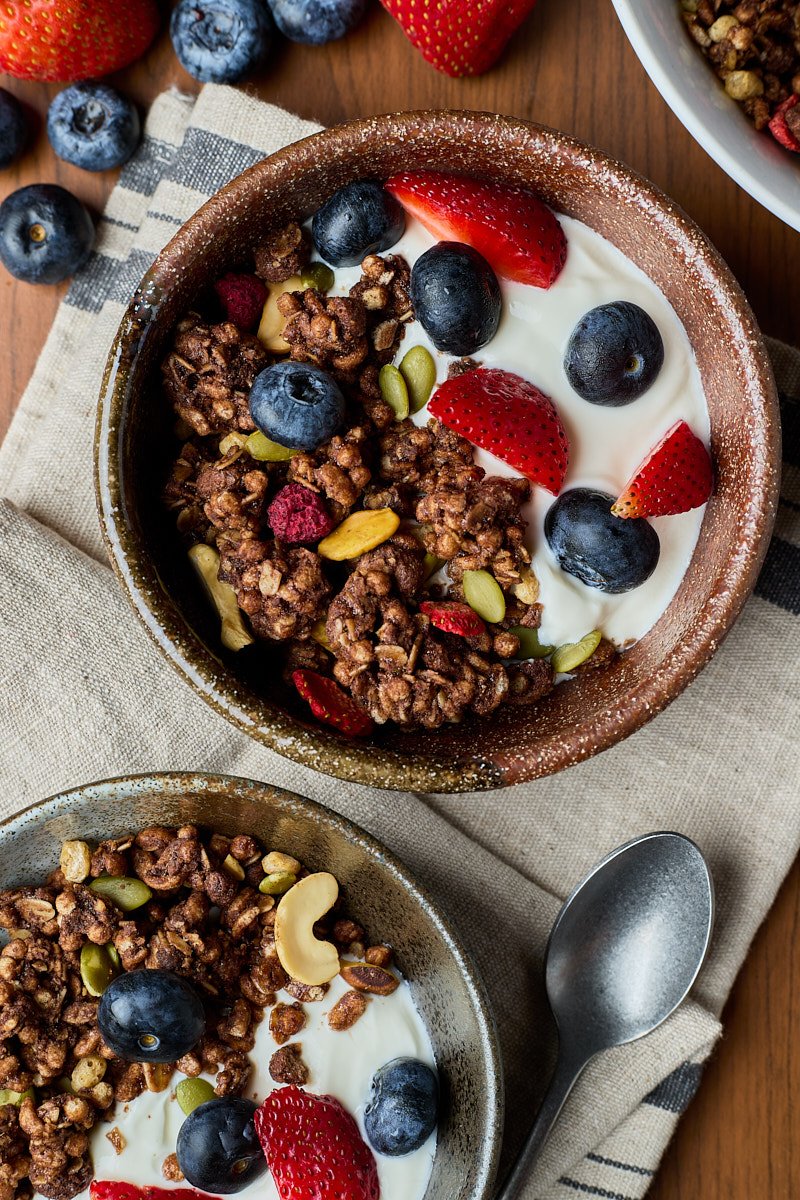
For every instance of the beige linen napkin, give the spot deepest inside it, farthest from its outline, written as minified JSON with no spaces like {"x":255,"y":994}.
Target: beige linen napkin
{"x":85,"y":695}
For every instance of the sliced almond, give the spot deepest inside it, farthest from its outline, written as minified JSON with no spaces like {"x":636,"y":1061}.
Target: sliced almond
{"x":302,"y":955}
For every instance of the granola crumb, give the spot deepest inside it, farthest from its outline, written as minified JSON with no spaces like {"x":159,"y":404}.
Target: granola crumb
{"x":287,"y":1066}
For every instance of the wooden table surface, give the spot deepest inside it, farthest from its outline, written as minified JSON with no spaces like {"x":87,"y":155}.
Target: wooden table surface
{"x":570,"y":67}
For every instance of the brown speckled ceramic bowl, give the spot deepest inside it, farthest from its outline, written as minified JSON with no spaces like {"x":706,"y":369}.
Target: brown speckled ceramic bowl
{"x":447,"y":992}
{"x":581,"y":717}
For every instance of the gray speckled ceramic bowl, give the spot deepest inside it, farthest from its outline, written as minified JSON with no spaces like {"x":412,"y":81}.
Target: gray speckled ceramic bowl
{"x":447,"y":992}
{"x":581,"y":717}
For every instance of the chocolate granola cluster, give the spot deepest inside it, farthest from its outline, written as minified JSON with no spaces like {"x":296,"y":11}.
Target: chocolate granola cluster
{"x":207,"y":920}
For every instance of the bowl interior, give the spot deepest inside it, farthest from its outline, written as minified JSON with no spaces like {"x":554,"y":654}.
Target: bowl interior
{"x":134,"y":438}
{"x":379,"y":893}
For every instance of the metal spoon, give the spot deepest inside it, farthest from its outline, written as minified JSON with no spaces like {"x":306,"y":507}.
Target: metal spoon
{"x":623,"y":953}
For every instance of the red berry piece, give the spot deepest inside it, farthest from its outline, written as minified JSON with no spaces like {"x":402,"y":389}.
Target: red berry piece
{"x":117,"y":1189}
{"x":459,"y":38}
{"x":676,"y":476}
{"x":453,"y":617}
{"x":785,"y":124}
{"x":314,"y":1149}
{"x":242,"y":297}
{"x":514,"y":231}
{"x":299,"y":516}
{"x":506,"y":415}
{"x":330,"y":704}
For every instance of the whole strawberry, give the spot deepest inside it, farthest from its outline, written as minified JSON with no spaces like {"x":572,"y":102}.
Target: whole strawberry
{"x":314,"y":1149}
{"x":65,"y":40}
{"x":459,"y":37}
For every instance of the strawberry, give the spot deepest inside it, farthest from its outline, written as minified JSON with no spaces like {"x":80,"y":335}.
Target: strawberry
{"x":115,"y":1189}
{"x":452,"y":617}
{"x":64,"y":40}
{"x":676,"y":475}
{"x":508,"y":225}
{"x":503,"y":413}
{"x":314,"y":1149}
{"x":783,"y":125}
{"x":459,"y":37}
{"x":330,"y":704}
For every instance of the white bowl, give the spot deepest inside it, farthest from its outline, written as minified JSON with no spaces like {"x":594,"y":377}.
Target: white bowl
{"x":687,"y":82}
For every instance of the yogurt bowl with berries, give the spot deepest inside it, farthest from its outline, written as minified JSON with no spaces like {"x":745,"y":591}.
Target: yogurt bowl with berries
{"x":475,"y":463}
{"x":193,"y":1012}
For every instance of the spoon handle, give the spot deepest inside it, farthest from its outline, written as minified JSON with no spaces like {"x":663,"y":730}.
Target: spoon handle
{"x":562,"y":1083}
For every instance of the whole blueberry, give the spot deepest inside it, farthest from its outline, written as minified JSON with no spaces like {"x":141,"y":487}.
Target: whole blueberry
{"x":92,"y":126}
{"x":403,"y":1106}
{"x":45,"y":233}
{"x":13,"y":128}
{"x":218,"y":1150}
{"x":614,"y":354}
{"x":220,"y":41}
{"x":603,"y":551}
{"x":316,"y":21}
{"x":456,"y":297}
{"x":360,"y":219}
{"x":151,"y":1016}
{"x":296,"y":404}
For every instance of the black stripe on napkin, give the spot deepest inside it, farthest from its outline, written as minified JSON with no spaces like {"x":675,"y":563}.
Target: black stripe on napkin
{"x":590,"y":1189}
{"x":676,"y":1091}
{"x":209,"y":161}
{"x":618,"y":1166}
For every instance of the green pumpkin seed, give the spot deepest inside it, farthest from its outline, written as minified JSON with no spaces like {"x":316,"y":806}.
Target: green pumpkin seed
{"x":567,"y":658}
{"x":97,"y":968}
{"x":113,"y":954}
{"x":277,"y":883}
{"x":419,"y":371}
{"x":191,"y":1093}
{"x":484,"y":595}
{"x":262,"y":448}
{"x":126,"y":893}
{"x":431,"y":564}
{"x":15,"y":1098}
{"x":529,"y":644}
{"x":394,"y":390}
{"x":317,"y":275}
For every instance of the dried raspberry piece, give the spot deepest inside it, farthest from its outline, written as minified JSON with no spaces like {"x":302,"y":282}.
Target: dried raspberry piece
{"x":298,"y":516}
{"x":452,"y":617}
{"x":243,"y":297}
{"x":779,"y":126}
{"x":330,"y":704}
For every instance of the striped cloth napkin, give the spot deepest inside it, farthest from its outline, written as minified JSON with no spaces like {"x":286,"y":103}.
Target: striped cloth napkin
{"x":86,"y":696}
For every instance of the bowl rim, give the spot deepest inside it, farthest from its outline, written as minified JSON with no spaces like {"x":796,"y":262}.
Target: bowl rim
{"x":127,"y":786}
{"x":637,"y":32}
{"x":352,"y":760}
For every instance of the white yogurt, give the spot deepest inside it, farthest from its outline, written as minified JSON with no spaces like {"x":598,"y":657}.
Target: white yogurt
{"x":340,"y":1064}
{"x":606,"y":444}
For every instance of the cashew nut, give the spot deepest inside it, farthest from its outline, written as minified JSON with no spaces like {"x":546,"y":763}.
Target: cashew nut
{"x":302,"y":955}
{"x":234,"y":634}
{"x":271,"y":326}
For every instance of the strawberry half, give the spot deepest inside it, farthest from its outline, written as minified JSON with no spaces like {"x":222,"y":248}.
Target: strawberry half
{"x":677,"y":475}
{"x":453,"y":617}
{"x":459,"y":37}
{"x":314,"y":1149}
{"x":785,"y":124}
{"x":503,"y":413}
{"x":64,"y":40}
{"x":330,"y":704}
{"x":510,"y":226}
{"x":116,"y":1189}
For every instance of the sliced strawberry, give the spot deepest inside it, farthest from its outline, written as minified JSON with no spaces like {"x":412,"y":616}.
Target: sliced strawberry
{"x":116,"y":1189}
{"x":508,"y":225}
{"x":784,"y":123}
{"x":452,"y":617}
{"x":459,"y":37}
{"x":314,"y":1149}
{"x":676,"y":475}
{"x":503,"y":413}
{"x":331,"y":705}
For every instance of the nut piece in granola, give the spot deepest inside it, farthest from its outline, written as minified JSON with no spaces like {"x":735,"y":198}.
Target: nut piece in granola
{"x":303,"y":955}
{"x":287,"y":1066}
{"x":347,"y":1010}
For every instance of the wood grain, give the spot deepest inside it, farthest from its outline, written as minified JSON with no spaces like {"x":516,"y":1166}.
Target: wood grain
{"x":570,"y":67}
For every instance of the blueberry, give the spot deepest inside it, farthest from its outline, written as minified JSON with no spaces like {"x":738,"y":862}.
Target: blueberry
{"x":13,"y":128}
{"x":45,"y":233}
{"x":403,"y":1107}
{"x":296,"y":404}
{"x":456,"y":297}
{"x":360,"y":219}
{"x":151,"y":1016}
{"x":603,"y":551}
{"x":218,"y":1150}
{"x":614,"y":354}
{"x":222,"y":40}
{"x":316,"y":21}
{"x":92,"y":126}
